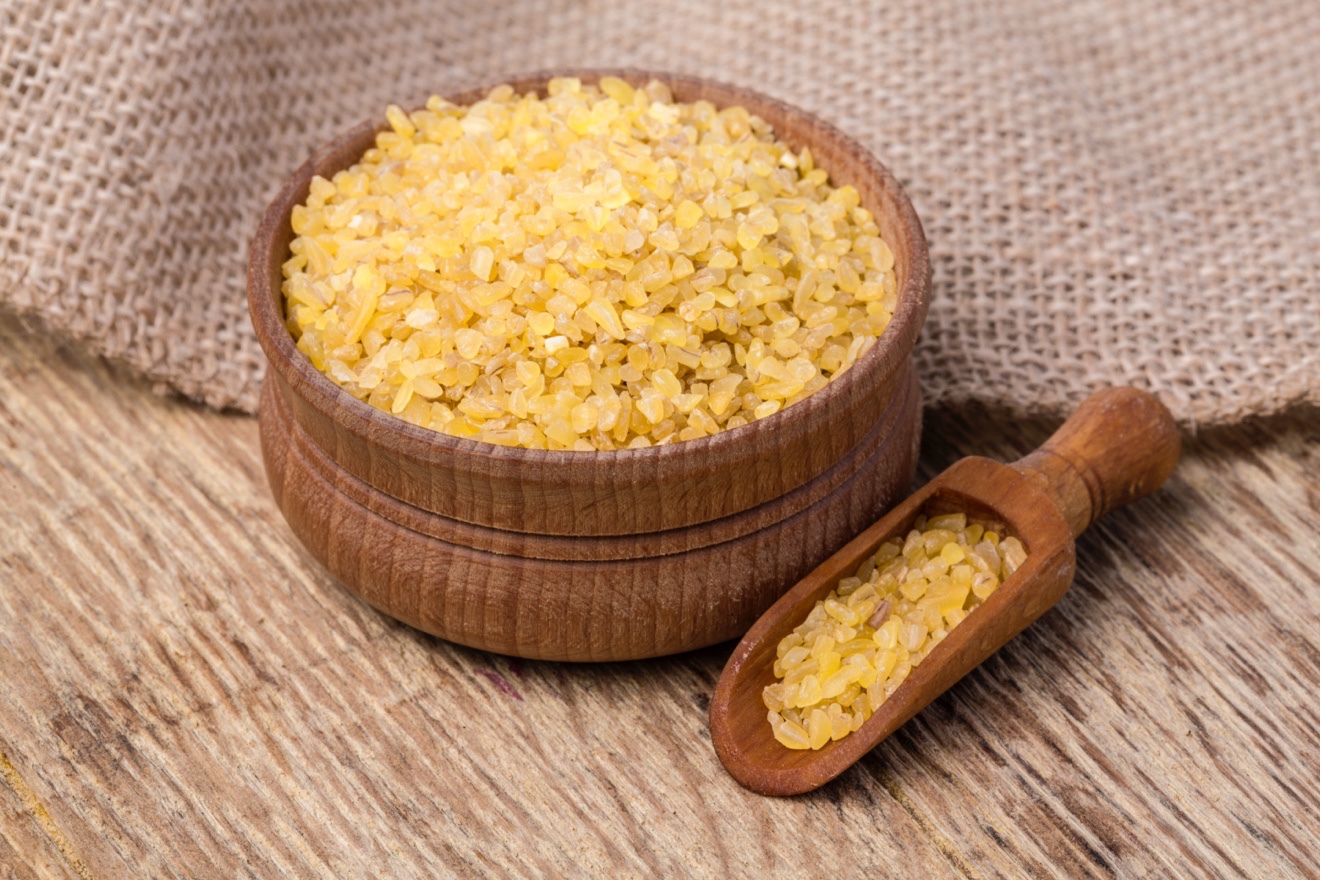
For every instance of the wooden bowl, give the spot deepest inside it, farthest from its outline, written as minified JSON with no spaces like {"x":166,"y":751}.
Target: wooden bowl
{"x":591,"y":556}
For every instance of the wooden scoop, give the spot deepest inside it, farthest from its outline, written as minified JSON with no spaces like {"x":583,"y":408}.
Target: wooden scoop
{"x":1119,"y":445}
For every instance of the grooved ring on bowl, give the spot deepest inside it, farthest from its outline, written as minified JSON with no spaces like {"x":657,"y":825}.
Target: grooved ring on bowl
{"x":430,"y":573}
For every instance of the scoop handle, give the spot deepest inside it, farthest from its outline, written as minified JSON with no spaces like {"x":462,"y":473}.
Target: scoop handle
{"x":1118,"y":446}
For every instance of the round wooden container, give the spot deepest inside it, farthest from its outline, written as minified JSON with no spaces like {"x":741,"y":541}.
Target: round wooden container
{"x":591,"y":556}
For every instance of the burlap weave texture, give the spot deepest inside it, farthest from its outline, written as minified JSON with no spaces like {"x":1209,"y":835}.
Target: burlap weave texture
{"x":1115,"y":191}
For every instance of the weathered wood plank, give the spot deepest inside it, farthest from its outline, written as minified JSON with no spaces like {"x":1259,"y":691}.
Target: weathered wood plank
{"x":191,"y":696}
{"x":187,"y":694}
{"x":31,"y":846}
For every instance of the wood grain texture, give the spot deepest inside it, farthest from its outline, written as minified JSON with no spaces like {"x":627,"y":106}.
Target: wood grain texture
{"x":628,"y":491}
{"x":1120,"y":445}
{"x":186,"y":693}
{"x":31,"y":845}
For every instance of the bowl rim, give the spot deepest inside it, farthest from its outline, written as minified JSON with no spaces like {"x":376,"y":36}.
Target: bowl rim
{"x":266,"y":309}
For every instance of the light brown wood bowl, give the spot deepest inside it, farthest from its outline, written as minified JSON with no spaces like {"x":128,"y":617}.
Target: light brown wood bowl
{"x":591,"y":556}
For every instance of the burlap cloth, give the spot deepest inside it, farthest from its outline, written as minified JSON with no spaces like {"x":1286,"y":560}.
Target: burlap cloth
{"x":1115,"y":191}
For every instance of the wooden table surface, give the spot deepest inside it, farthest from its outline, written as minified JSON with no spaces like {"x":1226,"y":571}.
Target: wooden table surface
{"x":184,"y":693}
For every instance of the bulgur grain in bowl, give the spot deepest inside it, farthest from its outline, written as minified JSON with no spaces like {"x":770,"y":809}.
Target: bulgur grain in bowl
{"x":608,"y":334}
{"x":603,"y":268}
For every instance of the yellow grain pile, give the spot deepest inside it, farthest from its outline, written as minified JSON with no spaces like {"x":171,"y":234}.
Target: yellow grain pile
{"x":861,"y":642}
{"x":597,"y":269}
